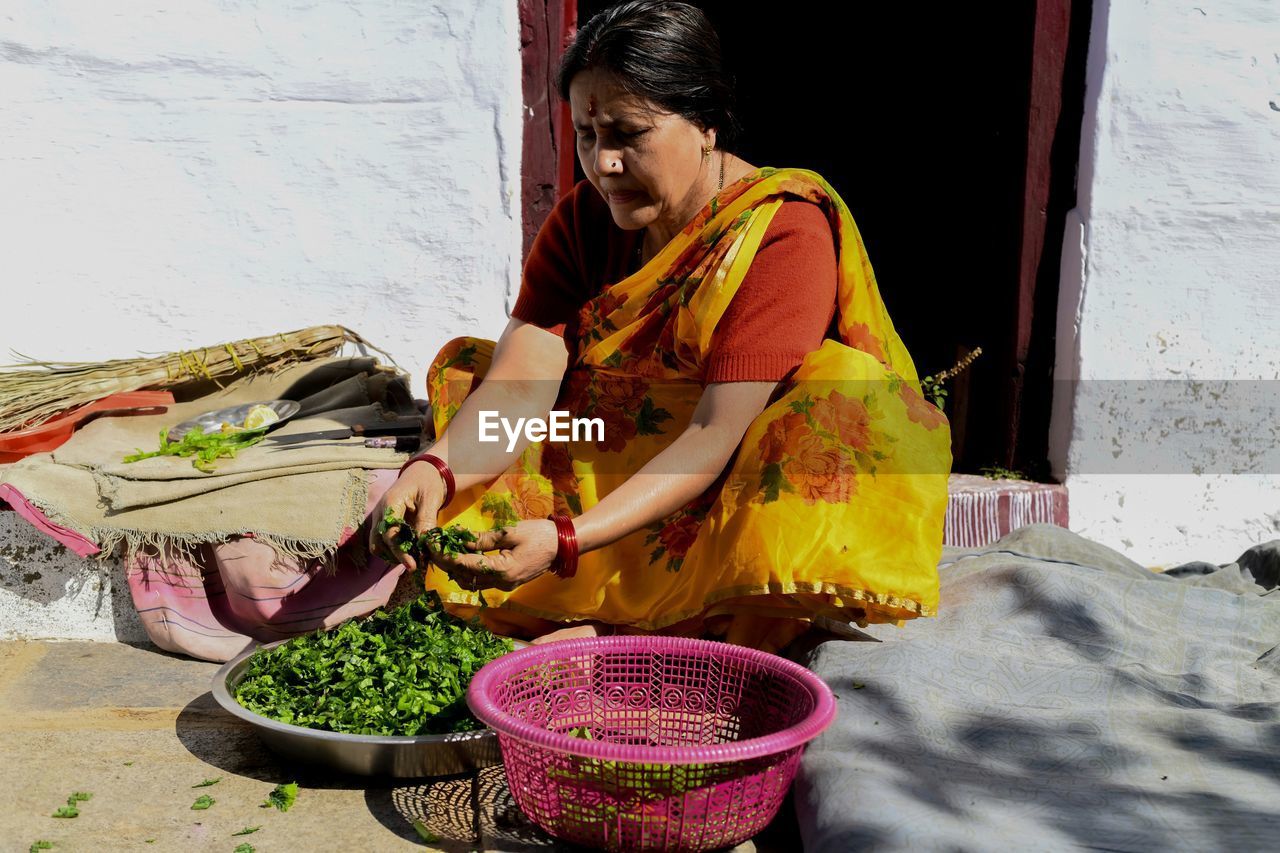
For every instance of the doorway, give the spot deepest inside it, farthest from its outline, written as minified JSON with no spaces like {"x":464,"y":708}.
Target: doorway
{"x":925,"y":123}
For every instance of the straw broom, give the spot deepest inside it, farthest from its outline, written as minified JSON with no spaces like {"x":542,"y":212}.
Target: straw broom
{"x":32,"y":392}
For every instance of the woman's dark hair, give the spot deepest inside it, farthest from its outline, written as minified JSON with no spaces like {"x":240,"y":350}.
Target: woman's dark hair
{"x":664,"y":51}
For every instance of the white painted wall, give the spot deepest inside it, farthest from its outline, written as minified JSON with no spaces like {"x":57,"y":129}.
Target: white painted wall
{"x":179,"y":175}
{"x":176,"y":175}
{"x":1171,"y":273}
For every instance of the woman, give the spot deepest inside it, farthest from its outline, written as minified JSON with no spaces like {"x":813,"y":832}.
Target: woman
{"x":754,"y":472}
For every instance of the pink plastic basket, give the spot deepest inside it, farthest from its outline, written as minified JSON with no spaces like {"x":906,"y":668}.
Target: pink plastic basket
{"x":650,"y":743}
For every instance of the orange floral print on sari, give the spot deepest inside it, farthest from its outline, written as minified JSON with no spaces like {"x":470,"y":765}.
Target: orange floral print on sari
{"x":920,"y":410}
{"x":818,"y":472}
{"x":817,"y":449}
{"x":859,"y":337}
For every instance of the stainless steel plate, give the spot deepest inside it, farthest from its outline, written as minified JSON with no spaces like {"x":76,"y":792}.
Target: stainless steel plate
{"x":213,"y":421}
{"x":364,"y":755}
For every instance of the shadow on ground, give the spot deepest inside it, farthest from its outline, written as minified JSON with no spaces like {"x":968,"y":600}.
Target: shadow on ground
{"x":1098,"y":707}
{"x":460,"y":812}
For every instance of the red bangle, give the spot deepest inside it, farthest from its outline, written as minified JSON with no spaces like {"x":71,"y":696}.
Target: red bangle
{"x":565,"y":564}
{"x":441,"y":466}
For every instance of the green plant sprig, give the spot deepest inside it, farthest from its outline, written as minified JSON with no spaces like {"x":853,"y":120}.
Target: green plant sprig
{"x":932,"y":386}
{"x":205,"y":447}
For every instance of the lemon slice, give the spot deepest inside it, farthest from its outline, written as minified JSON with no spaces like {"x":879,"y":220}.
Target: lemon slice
{"x":260,"y":417}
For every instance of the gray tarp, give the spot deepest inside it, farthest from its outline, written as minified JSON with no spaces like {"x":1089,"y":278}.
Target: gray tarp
{"x":1065,"y":698}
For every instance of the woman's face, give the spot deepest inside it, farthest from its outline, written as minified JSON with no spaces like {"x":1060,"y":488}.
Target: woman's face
{"x":646,"y":163}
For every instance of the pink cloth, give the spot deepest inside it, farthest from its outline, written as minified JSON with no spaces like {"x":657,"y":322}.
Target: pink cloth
{"x":23,"y":507}
{"x":239,"y":591}
{"x":215,"y":602}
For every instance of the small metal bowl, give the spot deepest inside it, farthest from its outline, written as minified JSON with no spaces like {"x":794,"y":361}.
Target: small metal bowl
{"x":213,"y":421}
{"x":363,"y":755}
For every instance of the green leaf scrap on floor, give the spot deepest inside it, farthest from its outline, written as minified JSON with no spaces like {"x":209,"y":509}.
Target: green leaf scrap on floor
{"x":207,"y":782}
{"x":204,"y":447}
{"x":70,"y":810}
{"x":282,"y":797}
{"x":248,"y":830}
{"x":403,"y":672}
{"x":40,"y":845}
{"x":245,"y":848}
{"x":202,"y":802}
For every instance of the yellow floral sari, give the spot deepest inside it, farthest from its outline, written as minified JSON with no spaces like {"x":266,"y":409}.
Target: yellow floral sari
{"x":832,"y":505}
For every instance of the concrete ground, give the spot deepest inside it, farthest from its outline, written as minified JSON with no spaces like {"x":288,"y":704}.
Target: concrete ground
{"x":137,"y":728}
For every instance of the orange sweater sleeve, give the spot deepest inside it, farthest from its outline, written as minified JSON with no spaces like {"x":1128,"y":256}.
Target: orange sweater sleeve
{"x":785,"y":304}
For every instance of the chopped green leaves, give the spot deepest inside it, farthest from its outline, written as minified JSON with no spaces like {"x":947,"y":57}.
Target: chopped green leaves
{"x":67,"y":811}
{"x":204,"y":447}
{"x":282,"y":797}
{"x":403,"y":672}
{"x":245,"y":848}
{"x":40,"y":845}
{"x":202,"y":802}
{"x":451,"y":541}
{"x":207,"y":782}
{"x":248,"y":830}
{"x":78,"y":797}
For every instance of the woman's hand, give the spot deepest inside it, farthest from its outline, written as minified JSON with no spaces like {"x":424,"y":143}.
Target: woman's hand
{"x":416,"y":497}
{"x":525,"y":551}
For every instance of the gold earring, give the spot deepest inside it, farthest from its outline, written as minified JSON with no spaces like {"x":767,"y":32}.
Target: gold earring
{"x":706,"y":151}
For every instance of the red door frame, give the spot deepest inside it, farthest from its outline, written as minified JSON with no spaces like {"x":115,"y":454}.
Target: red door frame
{"x":1040,"y":250}
{"x":546,"y":167}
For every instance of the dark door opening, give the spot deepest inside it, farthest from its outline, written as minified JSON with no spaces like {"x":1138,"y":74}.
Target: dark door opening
{"x":925,"y":124}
